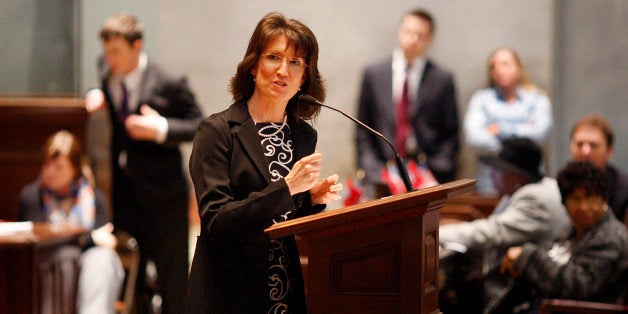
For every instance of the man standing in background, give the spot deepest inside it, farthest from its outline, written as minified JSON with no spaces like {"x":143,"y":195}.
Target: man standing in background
{"x":408,"y":98}
{"x":592,"y":139}
{"x":151,"y":113}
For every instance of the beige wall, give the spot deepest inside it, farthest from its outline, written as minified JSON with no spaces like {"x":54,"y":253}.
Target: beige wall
{"x":351,"y":34}
{"x":206,"y":39}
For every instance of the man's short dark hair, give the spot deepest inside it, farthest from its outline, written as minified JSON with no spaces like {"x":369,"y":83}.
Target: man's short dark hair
{"x":426,"y":16}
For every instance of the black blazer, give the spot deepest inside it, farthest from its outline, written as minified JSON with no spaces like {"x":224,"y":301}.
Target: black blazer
{"x":434,"y":119}
{"x":237,"y":200}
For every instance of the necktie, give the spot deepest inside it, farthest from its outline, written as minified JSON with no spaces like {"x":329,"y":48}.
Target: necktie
{"x":124,"y":104}
{"x":402,"y":121}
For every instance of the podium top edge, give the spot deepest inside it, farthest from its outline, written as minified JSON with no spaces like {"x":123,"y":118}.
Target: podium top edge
{"x":370,"y":209}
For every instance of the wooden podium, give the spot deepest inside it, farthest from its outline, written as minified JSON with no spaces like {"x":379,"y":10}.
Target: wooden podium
{"x":376,"y":257}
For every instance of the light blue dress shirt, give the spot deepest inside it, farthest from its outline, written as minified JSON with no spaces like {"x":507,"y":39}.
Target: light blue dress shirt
{"x":529,"y":116}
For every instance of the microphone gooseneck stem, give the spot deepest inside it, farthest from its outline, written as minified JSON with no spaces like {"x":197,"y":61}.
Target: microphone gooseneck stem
{"x":401,"y":166}
{"x":403,"y":172}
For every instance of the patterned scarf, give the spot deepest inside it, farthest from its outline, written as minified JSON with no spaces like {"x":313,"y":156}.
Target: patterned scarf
{"x":83,"y":205}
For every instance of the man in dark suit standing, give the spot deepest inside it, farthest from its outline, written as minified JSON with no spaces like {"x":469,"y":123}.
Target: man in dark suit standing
{"x":408,"y":98}
{"x":151,"y":113}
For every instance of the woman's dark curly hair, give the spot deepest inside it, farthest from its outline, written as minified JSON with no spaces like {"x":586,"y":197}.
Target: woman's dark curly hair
{"x":305,"y":45}
{"x":582,"y":175}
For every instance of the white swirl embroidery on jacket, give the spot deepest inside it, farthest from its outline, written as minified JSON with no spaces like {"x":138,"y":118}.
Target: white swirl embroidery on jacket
{"x":278,"y":148}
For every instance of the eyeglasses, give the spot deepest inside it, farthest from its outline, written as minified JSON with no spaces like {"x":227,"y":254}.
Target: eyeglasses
{"x":275,"y":60}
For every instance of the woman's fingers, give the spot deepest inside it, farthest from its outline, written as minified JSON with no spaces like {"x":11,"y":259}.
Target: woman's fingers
{"x":304,"y":173}
{"x":326,"y":191}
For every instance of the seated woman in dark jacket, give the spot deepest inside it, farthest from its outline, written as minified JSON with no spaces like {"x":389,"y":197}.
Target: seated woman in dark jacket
{"x":65,"y":195}
{"x":589,"y":264}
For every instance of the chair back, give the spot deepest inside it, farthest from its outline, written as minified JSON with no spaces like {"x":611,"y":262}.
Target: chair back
{"x":129,"y":254}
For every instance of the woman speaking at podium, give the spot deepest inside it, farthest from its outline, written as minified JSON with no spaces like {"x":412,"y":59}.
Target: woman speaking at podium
{"x":252,"y":165}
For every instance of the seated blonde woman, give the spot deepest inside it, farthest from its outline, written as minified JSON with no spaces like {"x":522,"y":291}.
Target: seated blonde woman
{"x":64,"y":194}
{"x":510,"y":105}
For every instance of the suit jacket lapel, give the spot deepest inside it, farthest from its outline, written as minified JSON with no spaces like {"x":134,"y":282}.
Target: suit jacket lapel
{"x":424,"y":89}
{"x":383,"y":81}
{"x":149,"y":80}
{"x":105,"y":72}
{"x":246,"y":133}
{"x":302,"y":138}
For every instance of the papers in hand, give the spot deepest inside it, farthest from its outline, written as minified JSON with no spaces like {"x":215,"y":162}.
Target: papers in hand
{"x":11,"y":228}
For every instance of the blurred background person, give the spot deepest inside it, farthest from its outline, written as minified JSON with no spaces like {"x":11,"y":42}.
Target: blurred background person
{"x":65,"y":195}
{"x":410,"y":99}
{"x":530,"y":210}
{"x":151,"y":113}
{"x":590,"y":263}
{"x":509,"y":106}
{"x":253,"y":165}
{"x":592,"y":139}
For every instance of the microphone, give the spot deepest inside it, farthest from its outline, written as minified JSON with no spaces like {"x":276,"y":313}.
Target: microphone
{"x":401,"y":167}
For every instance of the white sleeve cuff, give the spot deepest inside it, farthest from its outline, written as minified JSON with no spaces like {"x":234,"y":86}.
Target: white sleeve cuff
{"x":162,"y":130}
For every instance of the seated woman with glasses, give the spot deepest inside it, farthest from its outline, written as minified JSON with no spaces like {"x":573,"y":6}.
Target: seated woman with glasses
{"x":65,"y":195}
{"x":589,"y":264}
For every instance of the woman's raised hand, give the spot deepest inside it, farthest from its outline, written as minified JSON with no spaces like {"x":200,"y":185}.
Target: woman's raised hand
{"x":326,"y":190}
{"x":304,"y":174}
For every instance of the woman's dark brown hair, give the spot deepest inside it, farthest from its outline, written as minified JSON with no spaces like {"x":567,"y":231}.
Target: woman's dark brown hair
{"x":306,"y":47}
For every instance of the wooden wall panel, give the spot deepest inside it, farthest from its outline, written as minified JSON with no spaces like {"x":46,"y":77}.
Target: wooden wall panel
{"x":25,"y":123}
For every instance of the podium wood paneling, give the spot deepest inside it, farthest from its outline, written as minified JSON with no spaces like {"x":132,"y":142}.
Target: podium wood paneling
{"x":25,"y":123}
{"x":376,"y":257}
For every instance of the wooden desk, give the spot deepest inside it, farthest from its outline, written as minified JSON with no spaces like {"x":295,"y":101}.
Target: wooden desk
{"x":468,"y":207}
{"x":39,"y":271}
